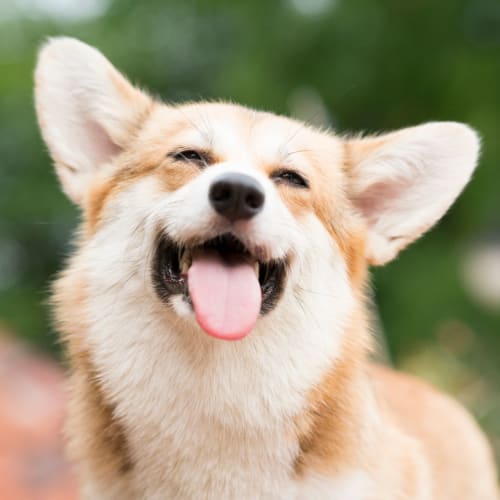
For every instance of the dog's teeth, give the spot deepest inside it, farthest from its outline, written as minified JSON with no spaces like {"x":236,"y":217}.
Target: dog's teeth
{"x":256,"y":269}
{"x":185,"y":262}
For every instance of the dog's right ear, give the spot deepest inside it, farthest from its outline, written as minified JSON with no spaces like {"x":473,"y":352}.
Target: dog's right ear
{"x":86,"y":109}
{"x":403,"y":182}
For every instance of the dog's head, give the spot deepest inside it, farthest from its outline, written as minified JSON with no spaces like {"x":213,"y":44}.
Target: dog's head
{"x":217,"y":216}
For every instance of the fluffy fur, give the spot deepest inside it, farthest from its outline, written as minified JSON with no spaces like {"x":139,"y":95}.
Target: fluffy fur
{"x":295,"y":410}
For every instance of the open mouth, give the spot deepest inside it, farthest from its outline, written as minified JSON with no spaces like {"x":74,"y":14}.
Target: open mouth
{"x":227,"y":286}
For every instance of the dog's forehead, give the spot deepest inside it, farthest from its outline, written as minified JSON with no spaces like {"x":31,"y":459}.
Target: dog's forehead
{"x":236,"y":133}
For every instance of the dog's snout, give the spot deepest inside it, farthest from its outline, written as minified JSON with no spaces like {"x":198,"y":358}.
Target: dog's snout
{"x":236,"y":196}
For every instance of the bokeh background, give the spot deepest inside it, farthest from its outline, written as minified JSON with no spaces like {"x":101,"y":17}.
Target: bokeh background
{"x":368,"y":65}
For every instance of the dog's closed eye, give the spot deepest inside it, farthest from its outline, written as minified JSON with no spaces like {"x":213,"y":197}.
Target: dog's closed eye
{"x":200,"y":158}
{"x":290,"y":177}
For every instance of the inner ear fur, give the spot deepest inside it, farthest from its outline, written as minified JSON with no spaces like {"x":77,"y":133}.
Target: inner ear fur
{"x":87,"y":111}
{"x":403,"y":182}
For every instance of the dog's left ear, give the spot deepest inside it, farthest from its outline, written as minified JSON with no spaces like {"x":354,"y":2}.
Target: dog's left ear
{"x":404,"y":182}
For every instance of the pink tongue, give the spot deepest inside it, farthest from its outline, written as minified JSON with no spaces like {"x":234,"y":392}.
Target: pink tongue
{"x":226,"y":295}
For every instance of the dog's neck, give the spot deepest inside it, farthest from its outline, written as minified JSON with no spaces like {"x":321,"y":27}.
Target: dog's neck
{"x":236,"y":420}
{"x":266,"y":407}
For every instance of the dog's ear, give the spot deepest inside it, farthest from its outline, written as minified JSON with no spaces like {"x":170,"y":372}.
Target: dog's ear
{"x":403,"y":182}
{"x":86,"y":109}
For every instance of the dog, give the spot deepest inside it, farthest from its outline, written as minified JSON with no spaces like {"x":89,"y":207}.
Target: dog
{"x":214,"y":311}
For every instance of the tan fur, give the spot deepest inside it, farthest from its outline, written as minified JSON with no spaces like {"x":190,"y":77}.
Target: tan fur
{"x":449,"y":439}
{"x":94,"y":434}
{"x":330,"y":431}
{"x":99,"y":193}
{"x":296,"y":410}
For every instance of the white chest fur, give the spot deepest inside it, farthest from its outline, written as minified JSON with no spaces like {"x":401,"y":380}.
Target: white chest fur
{"x":204,"y":418}
{"x":209,"y":421}
{"x":217,"y":418}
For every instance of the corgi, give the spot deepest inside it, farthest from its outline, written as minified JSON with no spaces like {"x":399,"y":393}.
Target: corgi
{"x":214,"y":311}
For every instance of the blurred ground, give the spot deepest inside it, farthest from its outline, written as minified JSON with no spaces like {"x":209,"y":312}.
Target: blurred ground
{"x":32,"y":466}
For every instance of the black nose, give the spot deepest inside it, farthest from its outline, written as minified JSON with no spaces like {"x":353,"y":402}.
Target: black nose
{"x":236,"y":196}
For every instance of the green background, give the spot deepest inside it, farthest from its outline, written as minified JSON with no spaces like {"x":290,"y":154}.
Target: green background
{"x":358,"y":64}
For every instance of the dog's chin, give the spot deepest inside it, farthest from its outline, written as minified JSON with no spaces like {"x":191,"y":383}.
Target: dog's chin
{"x":172,"y":262}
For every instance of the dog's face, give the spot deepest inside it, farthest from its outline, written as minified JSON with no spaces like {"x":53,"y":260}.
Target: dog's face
{"x":218,"y":216}
{"x":237,"y":211}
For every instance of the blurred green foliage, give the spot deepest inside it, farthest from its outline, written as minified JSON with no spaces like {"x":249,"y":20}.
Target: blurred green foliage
{"x":371,"y":65}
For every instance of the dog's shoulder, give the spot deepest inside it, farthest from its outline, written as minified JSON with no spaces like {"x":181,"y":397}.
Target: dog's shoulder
{"x":446,"y":434}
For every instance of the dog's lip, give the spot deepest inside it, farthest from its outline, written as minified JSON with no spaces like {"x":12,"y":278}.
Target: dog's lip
{"x":172,"y":261}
